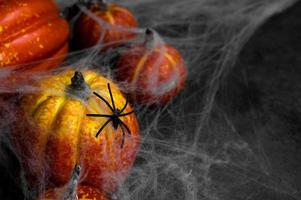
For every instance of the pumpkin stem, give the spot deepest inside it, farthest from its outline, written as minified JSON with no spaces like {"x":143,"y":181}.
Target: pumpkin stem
{"x":78,"y":81}
{"x":103,"y":5}
{"x":149,"y":40}
{"x":70,"y":192}
{"x":78,"y":87}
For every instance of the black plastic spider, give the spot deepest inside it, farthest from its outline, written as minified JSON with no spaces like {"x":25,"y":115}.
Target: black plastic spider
{"x":114,"y":117}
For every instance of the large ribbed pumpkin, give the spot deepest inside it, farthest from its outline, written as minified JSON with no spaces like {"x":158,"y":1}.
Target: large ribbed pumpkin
{"x":32,"y":30}
{"x":111,"y":29}
{"x":54,"y":132}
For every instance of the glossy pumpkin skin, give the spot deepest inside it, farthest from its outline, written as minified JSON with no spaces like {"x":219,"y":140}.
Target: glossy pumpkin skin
{"x":88,"y":31}
{"x":83,"y":193}
{"x":32,"y":30}
{"x":54,"y":133}
{"x":154,"y":73}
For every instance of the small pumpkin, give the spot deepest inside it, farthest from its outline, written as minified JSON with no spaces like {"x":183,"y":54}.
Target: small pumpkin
{"x":153,"y":71}
{"x":30,"y":31}
{"x":112,"y":28}
{"x":73,"y":191}
{"x":58,"y":127}
{"x":83,"y":193}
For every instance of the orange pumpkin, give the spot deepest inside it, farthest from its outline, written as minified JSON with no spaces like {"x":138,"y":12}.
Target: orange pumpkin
{"x":153,"y":71}
{"x":112,"y":28}
{"x":32,"y":30}
{"x":72,"y":190}
{"x":54,"y":132}
{"x":83,"y":193}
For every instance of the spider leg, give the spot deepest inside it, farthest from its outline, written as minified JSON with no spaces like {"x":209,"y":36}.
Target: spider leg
{"x":123,"y":135}
{"x":103,"y":126}
{"x":111,"y":95}
{"x":126,"y":103}
{"x":125,"y":126}
{"x":98,"y":115}
{"x":125,"y":114}
{"x":98,"y":95}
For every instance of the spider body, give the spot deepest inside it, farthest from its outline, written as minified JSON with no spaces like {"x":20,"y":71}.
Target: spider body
{"x":114,"y":117}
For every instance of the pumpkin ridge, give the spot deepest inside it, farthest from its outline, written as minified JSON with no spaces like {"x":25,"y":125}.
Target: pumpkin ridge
{"x":57,"y":140}
{"x":56,"y":114}
{"x":90,"y":77}
{"x":31,"y":28}
{"x":119,"y":9}
{"x":79,"y":138}
{"x":138,"y":70}
{"x":126,"y":21}
{"x":110,"y":17}
{"x":35,"y":107}
{"x":52,"y":125}
{"x":94,"y":84}
{"x":174,"y":64}
{"x":58,"y":54}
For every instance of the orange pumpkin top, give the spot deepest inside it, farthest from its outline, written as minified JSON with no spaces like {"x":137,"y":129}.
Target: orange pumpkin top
{"x":31,"y":30}
{"x":111,"y":29}
{"x":54,"y":133}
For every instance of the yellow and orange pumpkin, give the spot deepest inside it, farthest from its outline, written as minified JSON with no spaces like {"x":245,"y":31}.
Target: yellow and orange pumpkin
{"x":54,"y":132}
